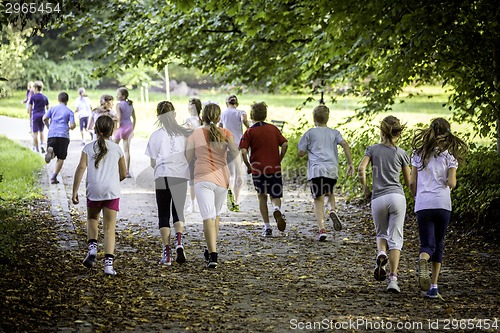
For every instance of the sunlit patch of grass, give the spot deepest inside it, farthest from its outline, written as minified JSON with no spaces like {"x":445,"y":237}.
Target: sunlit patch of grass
{"x":20,"y":170}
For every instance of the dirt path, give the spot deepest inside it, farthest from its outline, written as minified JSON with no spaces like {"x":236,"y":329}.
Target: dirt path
{"x":281,"y":284}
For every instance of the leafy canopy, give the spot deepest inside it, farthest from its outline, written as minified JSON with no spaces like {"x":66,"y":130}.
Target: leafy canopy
{"x":374,"y":48}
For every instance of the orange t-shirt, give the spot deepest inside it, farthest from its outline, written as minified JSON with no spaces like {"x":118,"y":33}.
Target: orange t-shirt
{"x":211,"y":163}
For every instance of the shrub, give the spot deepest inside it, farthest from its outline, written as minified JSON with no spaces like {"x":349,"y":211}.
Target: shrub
{"x":476,"y":200}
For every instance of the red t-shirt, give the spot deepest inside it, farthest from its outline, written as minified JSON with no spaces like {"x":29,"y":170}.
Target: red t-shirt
{"x":263,"y":140}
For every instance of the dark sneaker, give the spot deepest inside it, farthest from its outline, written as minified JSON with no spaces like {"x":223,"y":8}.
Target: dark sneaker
{"x":322,"y":235}
{"x":89,"y":260}
{"x":165,"y":259}
{"x":212,"y":263}
{"x":424,"y":280}
{"x":432,"y":293}
{"x":206,"y":255}
{"x":393,"y":287}
{"x":280,"y":220}
{"x":336,"y":221}
{"x":54,"y":180}
{"x":268,"y":232}
{"x":42,"y":150}
{"x":380,"y":273}
{"x":180,"y":256}
{"x":108,"y":266}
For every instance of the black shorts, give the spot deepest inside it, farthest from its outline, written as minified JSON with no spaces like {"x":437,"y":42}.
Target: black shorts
{"x":84,"y":122}
{"x":60,"y":146}
{"x":269,"y":184}
{"x":321,"y":186}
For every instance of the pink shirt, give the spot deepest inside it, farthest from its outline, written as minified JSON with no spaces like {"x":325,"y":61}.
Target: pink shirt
{"x":210,"y":164}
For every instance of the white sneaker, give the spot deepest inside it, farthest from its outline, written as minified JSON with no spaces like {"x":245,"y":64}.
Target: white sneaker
{"x":393,"y":286}
{"x":108,"y":267}
{"x":89,"y":260}
{"x":49,"y":155}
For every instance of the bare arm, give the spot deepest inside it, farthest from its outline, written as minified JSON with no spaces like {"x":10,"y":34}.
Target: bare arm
{"x":406,"y":175}
{"x":347,"y":151}
{"x":362,"y":176}
{"x":244,"y":155}
{"x":452,"y":178}
{"x":284,"y":148}
{"x":244,"y":120}
{"x":133,"y":117}
{"x":77,"y":179}
{"x":189,"y":151}
{"x":301,"y":153}
{"x":413,"y":180}
{"x":152,"y":162}
{"x":46,"y":121}
{"x":122,"y":168}
{"x":118,"y":115}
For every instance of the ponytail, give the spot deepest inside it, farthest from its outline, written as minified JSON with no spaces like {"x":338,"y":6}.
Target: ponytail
{"x":211,"y":114}
{"x":103,"y":128}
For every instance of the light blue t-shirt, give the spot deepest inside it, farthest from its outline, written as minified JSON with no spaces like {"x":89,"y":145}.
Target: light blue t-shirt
{"x":60,"y":117}
{"x":321,"y":145}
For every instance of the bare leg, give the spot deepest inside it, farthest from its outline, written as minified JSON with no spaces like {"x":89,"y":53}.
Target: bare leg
{"x":35,"y":140}
{"x":319,"y":211}
{"x":264,"y":212}
{"x":109,"y":222}
{"x":58,"y":167}
{"x":394,"y":260}
{"x":165,"y":236}
{"x":93,"y":223}
{"x":210,"y":227}
{"x":126,"y":152}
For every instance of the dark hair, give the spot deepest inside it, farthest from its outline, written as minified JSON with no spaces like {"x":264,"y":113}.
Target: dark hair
{"x":105,"y":98}
{"x":435,"y":139}
{"x":197,"y":104}
{"x":232,"y":100}
{"x":63,"y":97}
{"x":104,"y":126}
{"x":124,"y":93}
{"x":167,"y":118}
{"x":258,"y":111}
{"x":391,"y":128}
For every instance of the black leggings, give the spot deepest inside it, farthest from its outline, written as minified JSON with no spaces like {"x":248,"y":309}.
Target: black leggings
{"x":170,"y":194}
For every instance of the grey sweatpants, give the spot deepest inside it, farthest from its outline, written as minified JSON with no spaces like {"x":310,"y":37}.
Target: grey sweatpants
{"x":388,"y":213}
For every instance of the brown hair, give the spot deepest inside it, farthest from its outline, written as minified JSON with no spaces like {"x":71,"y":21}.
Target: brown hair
{"x":432,"y":141}
{"x":167,"y":118}
{"x":391,"y":128}
{"x":321,"y":113}
{"x":232,"y":100}
{"x":124,"y":92}
{"x":210,"y":116}
{"x":104,"y":126}
{"x":258,"y":111}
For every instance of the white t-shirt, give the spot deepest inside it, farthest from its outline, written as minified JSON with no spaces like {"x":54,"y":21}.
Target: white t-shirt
{"x":169,"y":153}
{"x":103,"y":183}
{"x":432,"y":188}
{"x":82,"y":107}
{"x":232,"y":119}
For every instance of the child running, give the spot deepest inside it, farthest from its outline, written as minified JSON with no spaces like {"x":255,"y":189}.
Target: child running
{"x":125,"y":115}
{"x":105,"y":166}
{"x":105,"y":108}
{"x":166,"y":149}
{"x":267,"y":149}
{"x":38,"y":105}
{"x":84,"y":109}
{"x":59,"y":120}
{"x":320,"y":144}
{"x":233,"y":119}
{"x":435,"y":159}
{"x":209,"y":144}
{"x":387,"y":197}
{"x":192,"y":122}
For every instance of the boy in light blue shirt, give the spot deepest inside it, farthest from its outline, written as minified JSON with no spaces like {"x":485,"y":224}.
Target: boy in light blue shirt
{"x":321,"y":143}
{"x":59,"y":120}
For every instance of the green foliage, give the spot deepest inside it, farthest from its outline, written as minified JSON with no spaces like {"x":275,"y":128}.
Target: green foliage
{"x":12,"y":54}
{"x":20,"y":168}
{"x":68,"y":74}
{"x":476,"y":200}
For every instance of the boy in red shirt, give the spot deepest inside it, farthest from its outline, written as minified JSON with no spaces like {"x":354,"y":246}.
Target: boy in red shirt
{"x":264,"y":141}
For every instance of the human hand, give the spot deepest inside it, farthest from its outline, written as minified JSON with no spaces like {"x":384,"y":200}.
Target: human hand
{"x":74,"y":198}
{"x":350,"y":169}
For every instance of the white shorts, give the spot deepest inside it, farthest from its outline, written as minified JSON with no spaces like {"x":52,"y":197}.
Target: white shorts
{"x":388,"y":213}
{"x":210,"y":199}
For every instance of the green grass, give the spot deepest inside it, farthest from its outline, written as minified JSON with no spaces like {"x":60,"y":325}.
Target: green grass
{"x":426,"y":103}
{"x":20,"y":169}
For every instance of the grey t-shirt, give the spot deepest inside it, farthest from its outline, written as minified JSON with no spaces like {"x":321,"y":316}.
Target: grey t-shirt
{"x":387,"y":163}
{"x":321,"y":145}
